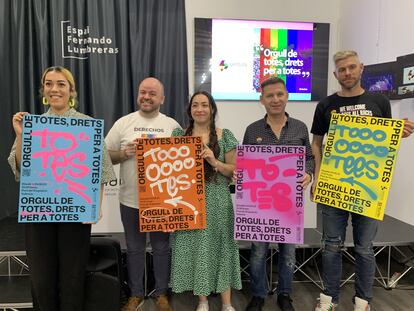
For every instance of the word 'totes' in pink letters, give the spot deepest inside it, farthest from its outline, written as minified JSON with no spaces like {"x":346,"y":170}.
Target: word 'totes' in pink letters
{"x":61,"y":159}
{"x":277,"y":194}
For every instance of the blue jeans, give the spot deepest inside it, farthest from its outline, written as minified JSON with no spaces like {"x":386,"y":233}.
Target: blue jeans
{"x":258,"y":275}
{"x":136,"y":249}
{"x":334,"y":223}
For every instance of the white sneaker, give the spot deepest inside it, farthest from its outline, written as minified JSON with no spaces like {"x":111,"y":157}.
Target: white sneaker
{"x":228,"y":308}
{"x":325,"y":303}
{"x":361,"y":305}
{"x":202,"y":307}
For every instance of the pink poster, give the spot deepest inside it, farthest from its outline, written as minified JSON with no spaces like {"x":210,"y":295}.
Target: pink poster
{"x":269,"y":195}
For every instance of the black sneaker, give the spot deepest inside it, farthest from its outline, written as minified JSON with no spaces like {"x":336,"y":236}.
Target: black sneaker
{"x":284,"y":302}
{"x":255,"y":304}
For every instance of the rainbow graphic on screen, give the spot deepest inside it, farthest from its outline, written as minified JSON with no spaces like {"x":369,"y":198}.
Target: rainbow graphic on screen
{"x":148,"y":135}
{"x":285,"y":53}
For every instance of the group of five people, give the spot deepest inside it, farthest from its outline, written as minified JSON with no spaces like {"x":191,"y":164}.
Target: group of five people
{"x":202,"y":261}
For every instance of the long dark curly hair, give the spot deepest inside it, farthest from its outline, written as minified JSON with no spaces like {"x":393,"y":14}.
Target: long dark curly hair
{"x":209,"y":172}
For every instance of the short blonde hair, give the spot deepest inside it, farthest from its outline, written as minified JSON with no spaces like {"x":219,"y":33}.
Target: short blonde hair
{"x":344,"y":54}
{"x":67,"y":74}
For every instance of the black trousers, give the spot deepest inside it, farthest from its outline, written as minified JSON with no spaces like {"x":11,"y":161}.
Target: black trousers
{"x":57,"y":254}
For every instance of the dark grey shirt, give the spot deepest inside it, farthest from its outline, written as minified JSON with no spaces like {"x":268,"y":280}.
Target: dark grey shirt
{"x":294,"y":133}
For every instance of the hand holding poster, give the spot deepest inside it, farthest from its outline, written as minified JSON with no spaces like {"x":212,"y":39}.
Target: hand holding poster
{"x":269,"y":195}
{"x":60,"y":169}
{"x":358,"y":163}
{"x":170,"y":184}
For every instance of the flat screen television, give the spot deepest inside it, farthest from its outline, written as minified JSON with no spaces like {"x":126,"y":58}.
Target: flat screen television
{"x":232,"y":57}
{"x":380,"y":78}
{"x":381,"y":82}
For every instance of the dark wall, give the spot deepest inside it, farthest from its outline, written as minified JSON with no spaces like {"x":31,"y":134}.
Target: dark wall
{"x":109,"y":45}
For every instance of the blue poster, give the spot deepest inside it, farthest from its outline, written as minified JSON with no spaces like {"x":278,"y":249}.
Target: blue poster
{"x":60,"y":170}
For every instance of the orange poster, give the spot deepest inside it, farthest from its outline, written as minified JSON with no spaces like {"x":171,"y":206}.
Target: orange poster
{"x":170,"y":184}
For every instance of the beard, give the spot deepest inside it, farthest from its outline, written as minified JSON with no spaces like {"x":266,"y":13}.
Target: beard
{"x":148,"y":106}
{"x":350,"y":84}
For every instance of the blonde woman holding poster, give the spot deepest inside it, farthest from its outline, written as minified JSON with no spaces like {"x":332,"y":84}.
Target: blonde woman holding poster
{"x":57,"y":252}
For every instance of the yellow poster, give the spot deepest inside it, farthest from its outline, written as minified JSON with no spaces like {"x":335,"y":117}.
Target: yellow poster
{"x":358,"y":162}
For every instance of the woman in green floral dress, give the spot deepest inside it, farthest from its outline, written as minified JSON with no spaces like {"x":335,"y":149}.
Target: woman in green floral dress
{"x":206,"y":261}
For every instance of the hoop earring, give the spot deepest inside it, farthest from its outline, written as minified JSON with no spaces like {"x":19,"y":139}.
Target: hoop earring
{"x":44,"y":101}
{"x":71,"y":103}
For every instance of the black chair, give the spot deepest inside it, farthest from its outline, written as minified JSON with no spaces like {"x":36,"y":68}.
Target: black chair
{"x":104,"y":275}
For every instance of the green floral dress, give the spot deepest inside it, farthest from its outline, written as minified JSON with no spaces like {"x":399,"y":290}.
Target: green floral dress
{"x":206,"y":261}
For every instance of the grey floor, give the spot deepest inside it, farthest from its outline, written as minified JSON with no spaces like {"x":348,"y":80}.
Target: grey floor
{"x":304,"y":293}
{"x":304,"y":298}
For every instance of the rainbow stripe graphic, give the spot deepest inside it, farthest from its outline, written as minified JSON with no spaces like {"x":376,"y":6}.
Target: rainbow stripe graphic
{"x":285,"y":53}
{"x":148,"y":135}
